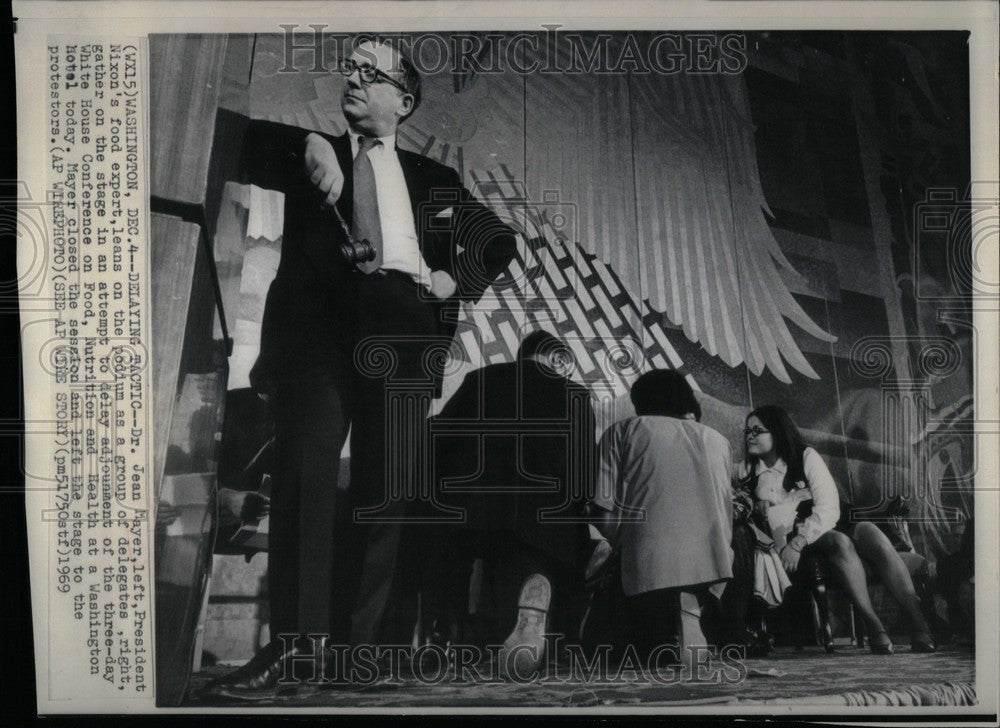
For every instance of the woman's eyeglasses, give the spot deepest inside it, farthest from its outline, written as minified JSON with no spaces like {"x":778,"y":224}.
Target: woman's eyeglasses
{"x":367,"y":72}
{"x":755,"y":431}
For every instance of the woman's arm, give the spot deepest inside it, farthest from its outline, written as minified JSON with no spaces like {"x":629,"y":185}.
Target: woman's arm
{"x":826,"y":497}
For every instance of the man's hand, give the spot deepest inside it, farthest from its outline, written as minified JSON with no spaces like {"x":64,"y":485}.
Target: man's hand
{"x":255,"y":506}
{"x":166,"y":513}
{"x":323,"y":169}
{"x":442,"y":285}
{"x":760,"y":509}
{"x":790,"y":558}
{"x":604,"y":521}
{"x":599,"y":557}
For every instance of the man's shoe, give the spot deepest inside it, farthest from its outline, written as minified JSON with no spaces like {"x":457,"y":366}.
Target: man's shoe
{"x":261,"y":673}
{"x":524,"y":650}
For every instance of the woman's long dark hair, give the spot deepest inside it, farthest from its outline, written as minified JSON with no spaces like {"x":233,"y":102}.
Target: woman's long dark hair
{"x":788,"y":442}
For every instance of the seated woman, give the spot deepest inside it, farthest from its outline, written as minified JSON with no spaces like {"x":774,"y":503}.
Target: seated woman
{"x":782,"y":472}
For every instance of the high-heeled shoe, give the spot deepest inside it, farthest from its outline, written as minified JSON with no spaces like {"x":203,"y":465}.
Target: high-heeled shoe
{"x":758,"y":643}
{"x":922,"y":643}
{"x":880,"y":646}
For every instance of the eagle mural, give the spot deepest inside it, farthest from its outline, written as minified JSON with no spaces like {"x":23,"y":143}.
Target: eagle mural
{"x":636,"y":196}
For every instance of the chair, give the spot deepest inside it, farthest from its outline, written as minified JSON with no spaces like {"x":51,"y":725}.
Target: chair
{"x":814,"y":587}
{"x":809,"y":590}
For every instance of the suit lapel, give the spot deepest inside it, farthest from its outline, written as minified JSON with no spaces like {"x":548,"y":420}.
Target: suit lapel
{"x":342,"y":148}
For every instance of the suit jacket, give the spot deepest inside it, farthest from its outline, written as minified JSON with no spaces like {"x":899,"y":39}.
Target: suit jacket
{"x":526,"y":453}
{"x":310,"y":316}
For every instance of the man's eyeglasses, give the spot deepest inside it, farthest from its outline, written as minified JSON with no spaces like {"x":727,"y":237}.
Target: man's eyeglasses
{"x":367,"y":72}
{"x":755,"y":431}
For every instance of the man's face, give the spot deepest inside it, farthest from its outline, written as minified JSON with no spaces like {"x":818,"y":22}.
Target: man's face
{"x":375,"y":107}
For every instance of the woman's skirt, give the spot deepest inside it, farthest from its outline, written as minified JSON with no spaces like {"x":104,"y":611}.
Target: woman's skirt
{"x":770,"y":579}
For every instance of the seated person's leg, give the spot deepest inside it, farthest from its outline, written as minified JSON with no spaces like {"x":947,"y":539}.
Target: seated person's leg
{"x":874,"y":547}
{"x":847,"y":566}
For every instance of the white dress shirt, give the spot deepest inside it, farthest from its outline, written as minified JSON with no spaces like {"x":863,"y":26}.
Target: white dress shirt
{"x":819,"y":482}
{"x":400,"y":248}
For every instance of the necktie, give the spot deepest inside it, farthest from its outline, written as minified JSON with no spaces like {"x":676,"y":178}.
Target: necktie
{"x":366,"y":223}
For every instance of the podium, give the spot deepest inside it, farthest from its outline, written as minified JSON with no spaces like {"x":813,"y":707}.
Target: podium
{"x":197,"y":255}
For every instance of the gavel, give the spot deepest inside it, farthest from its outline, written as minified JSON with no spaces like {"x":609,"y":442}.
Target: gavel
{"x":354,"y":252}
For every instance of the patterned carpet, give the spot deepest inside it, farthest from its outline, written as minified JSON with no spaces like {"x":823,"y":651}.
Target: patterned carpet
{"x":800,"y":678}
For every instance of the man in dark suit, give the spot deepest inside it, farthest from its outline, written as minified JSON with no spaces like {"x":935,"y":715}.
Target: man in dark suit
{"x":515,"y":447}
{"x":348,"y":344}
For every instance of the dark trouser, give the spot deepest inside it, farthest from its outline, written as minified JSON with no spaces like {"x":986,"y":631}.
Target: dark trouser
{"x":507,"y":563}
{"x":388,"y":441}
{"x":383,"y":397}
{"x":727,"y":625}
{"x":652,"y":619}
{"x":311,"y":420}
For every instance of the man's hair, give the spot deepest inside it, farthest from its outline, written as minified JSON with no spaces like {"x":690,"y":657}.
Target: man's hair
{"x":410,"y":74}
{"x":664,"y":392}
{"x":539,"y":342}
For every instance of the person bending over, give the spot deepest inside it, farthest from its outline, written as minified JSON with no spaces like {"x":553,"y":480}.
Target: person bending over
{"x":664,"y":490}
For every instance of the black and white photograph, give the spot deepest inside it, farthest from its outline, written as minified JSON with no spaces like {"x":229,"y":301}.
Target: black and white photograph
{"x":563,"y":368}
{"x":510,"y":358}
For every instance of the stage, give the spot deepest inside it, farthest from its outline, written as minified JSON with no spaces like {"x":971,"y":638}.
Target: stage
{"x":850,"y":676}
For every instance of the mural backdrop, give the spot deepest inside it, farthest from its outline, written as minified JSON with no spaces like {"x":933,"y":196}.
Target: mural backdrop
{"x":792,"y":233}
{"x":745,"y":229}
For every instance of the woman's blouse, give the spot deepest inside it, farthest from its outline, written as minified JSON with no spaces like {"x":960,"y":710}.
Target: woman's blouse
{"x":818,"y":481}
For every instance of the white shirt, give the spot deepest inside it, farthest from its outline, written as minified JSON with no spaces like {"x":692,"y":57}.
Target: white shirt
{"x":400,"y":248}
{"x":819,"y":482}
